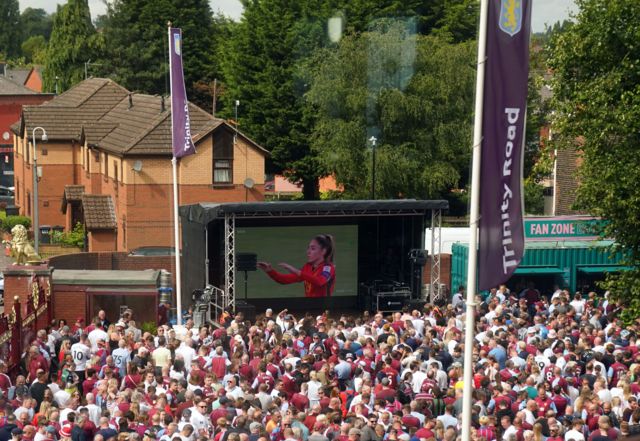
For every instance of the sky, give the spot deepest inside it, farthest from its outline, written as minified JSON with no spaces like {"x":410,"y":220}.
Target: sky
{"x":544,"y":11}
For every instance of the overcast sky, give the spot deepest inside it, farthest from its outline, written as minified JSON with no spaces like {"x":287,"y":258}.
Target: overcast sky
{"x":544,"y":11}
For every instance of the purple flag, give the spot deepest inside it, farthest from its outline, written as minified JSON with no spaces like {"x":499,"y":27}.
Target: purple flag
{"x":180,"y":121}
{"x":504,"y":112}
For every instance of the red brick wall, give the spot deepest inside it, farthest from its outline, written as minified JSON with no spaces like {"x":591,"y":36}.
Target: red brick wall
{"x":17,"y":283}
{"x":113,"y":261}
{"x":69,"y":303}
{"x":102,"y":241}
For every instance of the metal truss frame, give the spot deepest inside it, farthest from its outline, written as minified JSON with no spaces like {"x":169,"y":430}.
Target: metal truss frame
{"x":229,"y":297}
{"x":436,"y":251}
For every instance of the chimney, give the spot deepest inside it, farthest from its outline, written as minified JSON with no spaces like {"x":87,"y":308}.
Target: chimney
{"x":130,"y":100}
{"x":162,"y":107}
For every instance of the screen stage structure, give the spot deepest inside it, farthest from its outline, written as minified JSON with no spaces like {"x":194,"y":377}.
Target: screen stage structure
{"x":385,"y":231}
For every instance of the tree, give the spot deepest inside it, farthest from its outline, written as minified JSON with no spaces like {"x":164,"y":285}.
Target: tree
{"x":35,"y":21}
{"x":457,"y":18}
{"x":263,"y":69}
{"x":33,"y":49}
{"x":135,"y":35}
{"x":10,"y":26}
{"x":597,"y":100}
{"x":413,"y":93}
{"x":73,"y":42}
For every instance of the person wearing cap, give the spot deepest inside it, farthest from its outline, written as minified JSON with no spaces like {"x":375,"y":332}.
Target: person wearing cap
{"x":65,"y":432}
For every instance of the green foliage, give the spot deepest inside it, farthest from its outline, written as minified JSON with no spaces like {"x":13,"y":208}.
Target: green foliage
{"x":73,"y":42}
{"x":413,"y":93}
{"x":596,"y":64}
{"x":35,"y":21}
{"x":11,"y":221}
{"x":135,"y":35}
{"x":34,"y":48}
{"x":533,"y":197}
{"x":263,"y":70}
{"x":73,"y":238}
{"x":458,"y":19}
{"x":150,"y":327}
{"x":10,"y":28}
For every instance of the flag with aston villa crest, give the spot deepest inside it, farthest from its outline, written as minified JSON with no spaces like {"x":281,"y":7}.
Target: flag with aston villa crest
{"x":501,"y":244}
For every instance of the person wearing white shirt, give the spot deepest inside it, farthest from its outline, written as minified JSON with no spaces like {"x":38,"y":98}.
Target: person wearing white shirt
{"x":81,"y":354}
{"x":233,"y":391}
{"x":94,"y":411}
{"x":97,"y":334}
{"x":509,"y":429}
{"x":121,"y":357}
{"x":186,"y":351}
{"x":575,"y":434}
{"x":199,"y":419}
{"x":419,"y":375}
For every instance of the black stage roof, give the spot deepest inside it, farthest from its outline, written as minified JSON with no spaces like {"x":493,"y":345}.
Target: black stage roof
{"x":203,"y":213}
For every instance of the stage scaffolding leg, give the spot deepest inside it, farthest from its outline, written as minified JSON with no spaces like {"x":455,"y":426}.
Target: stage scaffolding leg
{"x":229,"y":298}
{"x":436,"y":248}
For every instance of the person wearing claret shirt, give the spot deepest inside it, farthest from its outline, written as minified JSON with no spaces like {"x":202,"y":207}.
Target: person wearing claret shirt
{"x":318,"y":274}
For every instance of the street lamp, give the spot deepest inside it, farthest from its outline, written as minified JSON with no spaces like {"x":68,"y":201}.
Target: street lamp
{"x":36,"y":227}
{"x":373,"y":141}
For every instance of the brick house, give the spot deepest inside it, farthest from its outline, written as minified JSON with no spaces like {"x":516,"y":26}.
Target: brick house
{"x":13,"y":95}
{"x":107,"y":164}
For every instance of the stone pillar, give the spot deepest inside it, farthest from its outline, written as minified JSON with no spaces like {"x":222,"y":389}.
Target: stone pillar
{"x":18,"y":283}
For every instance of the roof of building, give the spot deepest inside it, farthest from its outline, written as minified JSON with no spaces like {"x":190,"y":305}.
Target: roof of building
{"x":71,"y":193}
{"x":11,"y":87}
{"x":18,"y":74}
{"x":109,"y":117}
{"x":204,"y":213}
{"x":105,"y":277}
{"x":99,"y":212}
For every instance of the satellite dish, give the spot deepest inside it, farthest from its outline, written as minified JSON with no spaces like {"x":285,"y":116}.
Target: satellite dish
{"x":248,"y":183}
{"x":137,"y":166}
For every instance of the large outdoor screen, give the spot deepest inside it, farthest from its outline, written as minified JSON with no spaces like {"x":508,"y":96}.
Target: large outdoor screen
{"x":289,"y":245}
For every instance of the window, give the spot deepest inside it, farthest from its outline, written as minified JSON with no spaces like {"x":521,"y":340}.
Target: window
{"x":115,"y":171}
{"x":223,"y":157}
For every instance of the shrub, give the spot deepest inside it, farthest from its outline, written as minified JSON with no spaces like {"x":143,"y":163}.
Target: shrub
{"x":74,"y":238}
{"x":11,"y":221}
{"x":150,"y":327}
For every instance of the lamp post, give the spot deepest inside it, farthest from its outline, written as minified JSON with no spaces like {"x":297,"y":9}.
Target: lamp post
{"x":373,"y":141}
{"x":36,"y":226}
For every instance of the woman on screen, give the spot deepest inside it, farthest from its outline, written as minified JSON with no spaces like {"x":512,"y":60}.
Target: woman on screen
{"x":318,"y":274}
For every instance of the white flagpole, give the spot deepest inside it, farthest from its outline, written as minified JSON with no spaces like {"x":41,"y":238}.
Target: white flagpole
{"x":467,"y":399}
{"x":176,"y":228}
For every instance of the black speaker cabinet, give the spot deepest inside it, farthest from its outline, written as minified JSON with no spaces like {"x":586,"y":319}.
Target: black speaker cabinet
{"x":246,"y":261}
{"x":247,"y":309}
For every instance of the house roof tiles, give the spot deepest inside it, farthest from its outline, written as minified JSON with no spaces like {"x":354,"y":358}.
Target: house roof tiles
{"x":109,"y":117}
{"x":10,"y":87}
{"x":99,"y":212}
{"x":71,"y":193}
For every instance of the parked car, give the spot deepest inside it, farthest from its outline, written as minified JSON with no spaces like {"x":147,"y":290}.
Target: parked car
{"x":7,"y":195}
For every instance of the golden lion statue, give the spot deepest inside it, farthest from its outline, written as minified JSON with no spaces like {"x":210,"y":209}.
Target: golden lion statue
{"x":21,"y":248}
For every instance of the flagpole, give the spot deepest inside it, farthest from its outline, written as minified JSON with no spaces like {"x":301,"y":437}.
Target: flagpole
{"x":176,"y":233}
{"x":467,"y":399}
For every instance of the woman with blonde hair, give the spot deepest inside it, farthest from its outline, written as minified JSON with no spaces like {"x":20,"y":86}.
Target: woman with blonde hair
{"x":537,"y":432}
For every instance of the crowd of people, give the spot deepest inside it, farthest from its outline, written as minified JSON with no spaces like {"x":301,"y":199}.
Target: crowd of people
{"x":545,"y":368}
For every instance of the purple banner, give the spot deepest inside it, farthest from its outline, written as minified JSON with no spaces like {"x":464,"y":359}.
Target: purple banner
{"x":180,"y":121}
{"x":501,"y":243}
